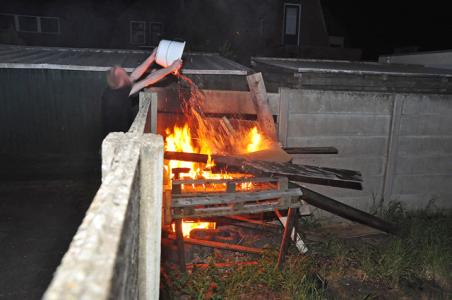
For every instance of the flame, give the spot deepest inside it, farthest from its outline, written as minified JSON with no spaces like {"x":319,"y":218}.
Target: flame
{"x":209,"y":136}
{"x":255,"y":141}
{"x":188,"y":226}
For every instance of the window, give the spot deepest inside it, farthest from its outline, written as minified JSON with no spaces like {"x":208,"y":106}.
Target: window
{"x":35,"y":24}
{"x":137,"y":32}
{"x":155,"y":33}
{"x":6,"y":22}
{"x":50,"y":25}
{"x":291,"y":35}
{"x":28,"y":24}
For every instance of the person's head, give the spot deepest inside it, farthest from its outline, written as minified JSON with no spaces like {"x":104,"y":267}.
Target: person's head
{"x":117,"y":78}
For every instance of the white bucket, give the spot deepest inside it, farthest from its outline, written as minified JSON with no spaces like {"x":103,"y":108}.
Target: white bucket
{"x":168,"y":52}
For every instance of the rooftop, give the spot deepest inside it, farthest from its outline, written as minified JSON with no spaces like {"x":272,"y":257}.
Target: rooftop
{"x":347,"y":67}
{"x":87,"y":59}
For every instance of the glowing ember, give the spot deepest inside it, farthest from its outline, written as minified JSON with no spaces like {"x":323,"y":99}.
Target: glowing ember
{"x":188,"y":226}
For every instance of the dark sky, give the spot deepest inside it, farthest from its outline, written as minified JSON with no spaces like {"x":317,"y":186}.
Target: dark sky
{"x":380,"y":26}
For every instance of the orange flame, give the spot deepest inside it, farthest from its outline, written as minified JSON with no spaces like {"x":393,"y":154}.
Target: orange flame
{"x":210,"y":136}
{"x":188,"y":226}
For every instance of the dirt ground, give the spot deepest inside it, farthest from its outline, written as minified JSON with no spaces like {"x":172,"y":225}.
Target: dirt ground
{"x":37,"y":222}
{"x":343,"y":262}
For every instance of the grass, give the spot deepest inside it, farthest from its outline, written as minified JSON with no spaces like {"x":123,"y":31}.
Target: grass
{"x":298,"y":281}
{"x":420,"y":258}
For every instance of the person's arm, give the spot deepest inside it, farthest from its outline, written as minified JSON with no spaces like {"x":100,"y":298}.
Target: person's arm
{"x":156,"y":76}
{"x":139,"y":71}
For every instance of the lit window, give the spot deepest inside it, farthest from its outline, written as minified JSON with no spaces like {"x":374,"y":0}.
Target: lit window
{"x":291,"y":24}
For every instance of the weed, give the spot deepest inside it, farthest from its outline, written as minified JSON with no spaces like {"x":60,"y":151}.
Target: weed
{"x":298,"y":280}
{"x":420,"y":256}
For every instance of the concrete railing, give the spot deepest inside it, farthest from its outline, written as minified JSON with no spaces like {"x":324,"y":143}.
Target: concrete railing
{"x":116,"y":250}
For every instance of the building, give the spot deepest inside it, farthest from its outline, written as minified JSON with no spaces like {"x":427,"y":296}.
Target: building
{"x":236,"y":29}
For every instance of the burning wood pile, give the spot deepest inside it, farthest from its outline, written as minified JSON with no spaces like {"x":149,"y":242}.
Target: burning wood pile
{"x":217,"y":167}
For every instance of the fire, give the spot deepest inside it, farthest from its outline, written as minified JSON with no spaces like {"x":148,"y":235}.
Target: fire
{"x":188,"y":226}
{"x":256,"y":141}
{"x":210,"y":136}
{"x":180,"y":140}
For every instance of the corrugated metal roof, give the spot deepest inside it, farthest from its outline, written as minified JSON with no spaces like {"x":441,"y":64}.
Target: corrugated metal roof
{"x":85,"y":59}
{"x":335,"y":66}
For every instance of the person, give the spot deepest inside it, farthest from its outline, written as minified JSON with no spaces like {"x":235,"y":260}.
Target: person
{"x":116,"y":104}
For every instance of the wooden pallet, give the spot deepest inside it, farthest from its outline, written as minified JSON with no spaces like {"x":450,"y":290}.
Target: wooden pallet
{"x":232,"y":201}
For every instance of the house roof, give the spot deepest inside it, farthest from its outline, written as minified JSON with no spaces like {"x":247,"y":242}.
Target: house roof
{"x":347,"y":67}
{"x":86,"y":59}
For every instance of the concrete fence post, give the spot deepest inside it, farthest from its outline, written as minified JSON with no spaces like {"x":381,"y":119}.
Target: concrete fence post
{"x":392,"y":149}
{"x":151,"y":189}
{"x":110,"y":146}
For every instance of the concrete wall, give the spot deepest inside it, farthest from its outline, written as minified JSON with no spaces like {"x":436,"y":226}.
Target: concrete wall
{"x":436,"y":59}
{"x":402,"y":143}
{"x":423,"y":165}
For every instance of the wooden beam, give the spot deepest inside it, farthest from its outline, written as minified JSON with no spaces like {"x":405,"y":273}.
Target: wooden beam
{"x":180,"y":246}
{"x":345,"y":211}
{"x":311,"y":150}
{"x":222,"y":265}
{"x":260,"y":99}
{"x":219,"y":245}
{"x":229,"y":198}
{"x":286,"y":238}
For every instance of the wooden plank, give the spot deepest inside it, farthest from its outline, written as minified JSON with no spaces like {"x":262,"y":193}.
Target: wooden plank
{"x":346,"y":145}
{"x":180,"y":245}
{"x":222,"y":211}
{"x":259,"y":96}
{"x":286,"y":238}
{"x":219,"y":245}
{"x":219,"y":181}
{"x":222,"y":265}
{"x":345,"y":211}
{"x":217,"y":101}
{"x":304,"y":173}
{"x":258,"y":223}
{"x":311,"y":150}
{"x":236,"y":197}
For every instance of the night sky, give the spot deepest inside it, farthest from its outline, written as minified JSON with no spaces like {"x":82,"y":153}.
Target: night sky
{"x":380,"y":26}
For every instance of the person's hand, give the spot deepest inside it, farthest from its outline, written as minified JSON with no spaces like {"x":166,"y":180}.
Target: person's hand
{"x":175,"y":66}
